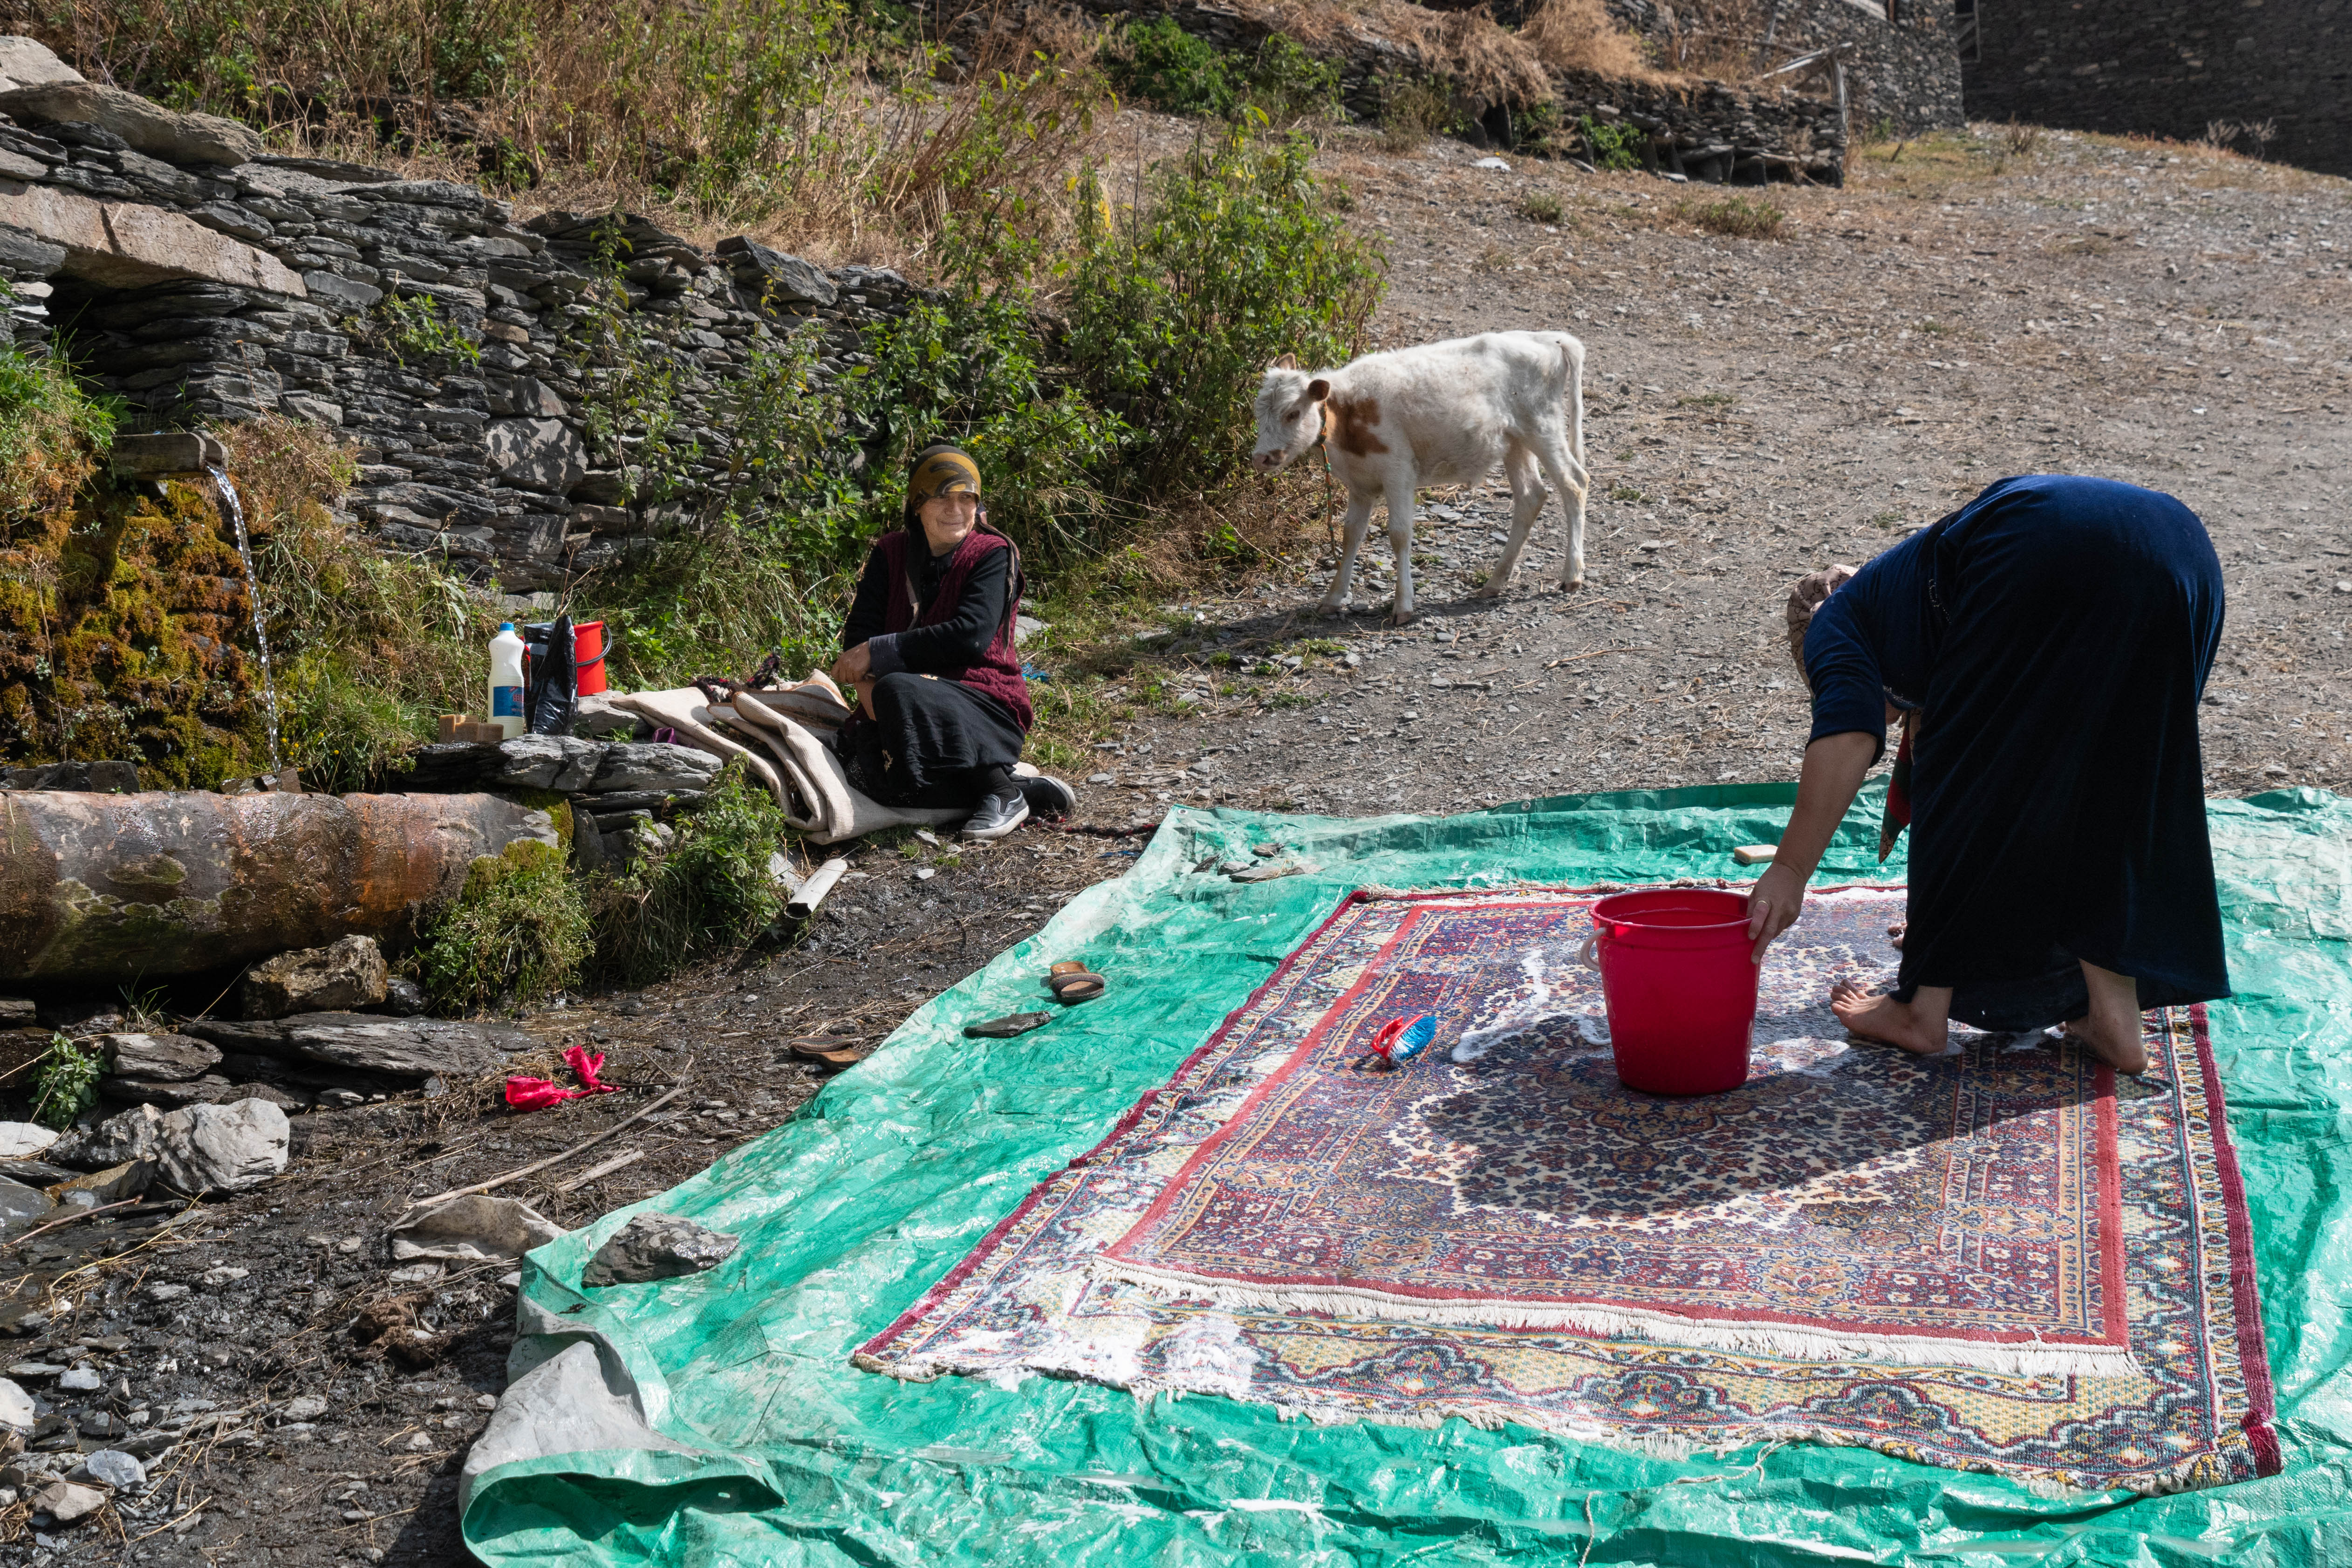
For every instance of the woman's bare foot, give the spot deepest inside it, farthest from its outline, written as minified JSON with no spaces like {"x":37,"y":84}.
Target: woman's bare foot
{"x":1920,"y":1026}
{"x":1895,"y":934}
{"x":2112,"y":1028}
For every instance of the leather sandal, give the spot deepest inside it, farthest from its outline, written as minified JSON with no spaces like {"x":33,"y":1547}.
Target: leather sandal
{"x":1071,"y":981}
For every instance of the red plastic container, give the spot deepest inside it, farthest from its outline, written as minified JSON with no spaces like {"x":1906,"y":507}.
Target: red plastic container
{"x":1680,"y":990}
{"x":588,"y":655}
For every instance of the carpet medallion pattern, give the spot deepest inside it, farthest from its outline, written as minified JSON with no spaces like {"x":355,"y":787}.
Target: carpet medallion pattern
{"x":2003,"y":1258}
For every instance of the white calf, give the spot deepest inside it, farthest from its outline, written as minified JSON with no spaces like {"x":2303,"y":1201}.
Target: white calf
{"x":1441,"y":414}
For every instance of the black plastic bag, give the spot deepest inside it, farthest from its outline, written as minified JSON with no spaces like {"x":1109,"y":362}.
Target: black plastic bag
{"x":551,"y":677}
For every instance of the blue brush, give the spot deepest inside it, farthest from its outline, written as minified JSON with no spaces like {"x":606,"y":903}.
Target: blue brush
{"x":1416,"y":1037}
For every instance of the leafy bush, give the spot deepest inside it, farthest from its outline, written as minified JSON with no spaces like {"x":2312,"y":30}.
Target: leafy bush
{"x":66,"y":1083}
{"x":520,"y":931}
{"x":708,"y":892}
{"x":415,"y":330}
{"x":1184,"y":74}
{"x":1610,"y":144}
{"x":1172,"y":320}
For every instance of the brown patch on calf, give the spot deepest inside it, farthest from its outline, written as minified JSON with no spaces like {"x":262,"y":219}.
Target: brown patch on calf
{"x":1348,"y":424}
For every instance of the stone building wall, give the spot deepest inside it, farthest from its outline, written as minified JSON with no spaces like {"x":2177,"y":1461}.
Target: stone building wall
{"x":2171,"y":69}
{"x":1902,"y":68}
{"x":202,"y":281}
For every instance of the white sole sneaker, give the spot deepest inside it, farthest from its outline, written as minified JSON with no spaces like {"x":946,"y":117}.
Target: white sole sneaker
{"x":981,"y":832}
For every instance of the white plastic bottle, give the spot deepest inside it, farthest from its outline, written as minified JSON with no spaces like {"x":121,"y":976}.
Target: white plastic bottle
{"x":506,"y":680}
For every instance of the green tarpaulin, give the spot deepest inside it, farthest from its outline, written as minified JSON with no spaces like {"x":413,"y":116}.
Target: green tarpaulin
{"x":717,"y":1419}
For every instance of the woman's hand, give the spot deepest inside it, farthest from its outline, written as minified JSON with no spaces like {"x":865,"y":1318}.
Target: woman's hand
{"x":853,"y":667}
{"x":1773,"y":906}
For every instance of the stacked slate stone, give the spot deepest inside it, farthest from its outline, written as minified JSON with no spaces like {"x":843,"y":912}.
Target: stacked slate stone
{"x":623,"y":794}
{"x":205,"y":281}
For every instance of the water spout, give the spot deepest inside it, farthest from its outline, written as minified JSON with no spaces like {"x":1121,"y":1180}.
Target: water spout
{"x":229,"y":504}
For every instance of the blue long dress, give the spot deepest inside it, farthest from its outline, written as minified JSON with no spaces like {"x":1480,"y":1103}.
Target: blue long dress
{"x":2055,"y":637}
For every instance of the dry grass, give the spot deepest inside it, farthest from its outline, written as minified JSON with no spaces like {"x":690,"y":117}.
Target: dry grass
{"x":1581,"y":36}
{"x":1737,"y":217}
{"x":728,"y":116}
{"x":1717,"y":38}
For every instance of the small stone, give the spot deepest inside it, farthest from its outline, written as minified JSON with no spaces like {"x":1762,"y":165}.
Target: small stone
{"x":168,"y":1058}
{"x":166,"y":1292}
{"x":305,"y":1408}
{"x":226,"y":1274}
{"x":113,"y":1467}
{"x":81,"y":1380}
{"x":24,"y":1140}
{"x":419,"y":1442}
{"x":924,"y":874}
{"x":1100,"y":779}
{"x":346,"y":974}
{"x":66,"y":1502}
{"x":116,"y":1183}
{"x":657,"y":1246}
{"x":19,"y":1200}
{"x":403,"y":998}
{"x":486,"y":1402}
{"x":2342,"y":587}
{"x":15,"y":1406}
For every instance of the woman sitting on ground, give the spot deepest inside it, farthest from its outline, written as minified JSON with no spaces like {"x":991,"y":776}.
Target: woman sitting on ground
{"x":2044,"y":649}
{"x":942,"y":708}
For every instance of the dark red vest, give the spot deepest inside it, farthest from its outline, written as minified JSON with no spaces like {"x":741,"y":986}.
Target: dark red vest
{"x":998,"y":671}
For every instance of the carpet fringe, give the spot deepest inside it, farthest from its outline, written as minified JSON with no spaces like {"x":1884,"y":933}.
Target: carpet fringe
{"x":1781,"y":1341}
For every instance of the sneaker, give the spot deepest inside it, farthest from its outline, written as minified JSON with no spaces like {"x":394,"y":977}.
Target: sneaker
{"x":996,"y":816}
{"x":1048,"y":798}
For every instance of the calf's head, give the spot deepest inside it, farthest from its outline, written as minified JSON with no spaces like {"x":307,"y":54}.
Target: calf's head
{"x":1289,"y":414}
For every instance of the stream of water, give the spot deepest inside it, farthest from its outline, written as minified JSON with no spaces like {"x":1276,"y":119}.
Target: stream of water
{"x":235,"y":511}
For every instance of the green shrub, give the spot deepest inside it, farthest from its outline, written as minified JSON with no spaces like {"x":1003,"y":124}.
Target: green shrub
{"x":520,"y":931}
{"x":1175,"y":69}
{"x":52,"y":433}
{"x":1183,"y":74}
{"x":66,"y":1084}
{"x":1171,"y":320}
{"x":1541,"y":207}
{"x":1609,"y":143}
{"x":708,"y":892}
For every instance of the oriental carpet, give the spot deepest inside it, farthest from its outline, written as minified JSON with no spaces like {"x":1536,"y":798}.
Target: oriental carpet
{"x":2003,"y":1258}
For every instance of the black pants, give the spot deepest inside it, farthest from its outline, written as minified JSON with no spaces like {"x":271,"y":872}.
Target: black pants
{"x":931,"y":743}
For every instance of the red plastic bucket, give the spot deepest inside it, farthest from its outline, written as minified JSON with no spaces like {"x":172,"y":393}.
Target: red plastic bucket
{"x":1680,"y":990}
{"x":588,"y":655}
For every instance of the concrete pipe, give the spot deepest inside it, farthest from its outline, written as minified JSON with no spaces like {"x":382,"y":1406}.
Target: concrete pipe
{"x":110,"y":887}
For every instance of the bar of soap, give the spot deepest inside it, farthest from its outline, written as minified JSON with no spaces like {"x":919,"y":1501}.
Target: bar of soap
{"x":1755,"y":854}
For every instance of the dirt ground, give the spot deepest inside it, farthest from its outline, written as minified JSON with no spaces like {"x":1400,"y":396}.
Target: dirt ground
{"x":1756,"y":408}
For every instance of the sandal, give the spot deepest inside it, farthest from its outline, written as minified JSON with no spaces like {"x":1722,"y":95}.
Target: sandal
{"x":1071,"y":981}
{"x":1006,"y":1027}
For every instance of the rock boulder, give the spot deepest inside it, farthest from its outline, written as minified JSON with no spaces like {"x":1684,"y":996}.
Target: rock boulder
{"x":222,"y":1148}
{"x":653,"y":767}
{"x":128,"y":1136}
{"x":548,"y":762}
{"x":166,"y":1057}
{"x":657,"y":1246}
{"x":148,"y":126}
{"x":24,"y":1140}
{"x":346,"y":974}
{"x":373,"y":1045}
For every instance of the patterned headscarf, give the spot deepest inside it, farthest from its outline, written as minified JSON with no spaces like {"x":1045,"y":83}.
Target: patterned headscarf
{"x":938,"y":472}
{"x":1809,"y":593}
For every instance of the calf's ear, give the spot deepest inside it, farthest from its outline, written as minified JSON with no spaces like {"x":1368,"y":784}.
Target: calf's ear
{"x":1318,"y":390}
{"x":1288,"y":362}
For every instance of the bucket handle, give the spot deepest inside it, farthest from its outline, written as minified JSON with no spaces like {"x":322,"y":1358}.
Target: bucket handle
{"x":1585,"y":954}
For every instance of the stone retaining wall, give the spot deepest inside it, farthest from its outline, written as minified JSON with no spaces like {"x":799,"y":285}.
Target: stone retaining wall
{"x":1711,"y":131}
{"x":201,"y":280}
